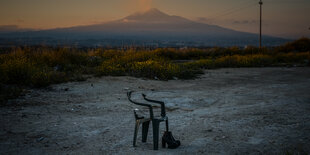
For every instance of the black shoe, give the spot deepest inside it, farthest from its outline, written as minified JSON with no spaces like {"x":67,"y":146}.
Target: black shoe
{"x":169,"y":139}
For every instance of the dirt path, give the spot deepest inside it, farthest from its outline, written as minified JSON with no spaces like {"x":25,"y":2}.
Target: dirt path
{"x":226,"y":111}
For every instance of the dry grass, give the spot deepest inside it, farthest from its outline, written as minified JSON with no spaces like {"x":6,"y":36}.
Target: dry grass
{"x":42,"y":66}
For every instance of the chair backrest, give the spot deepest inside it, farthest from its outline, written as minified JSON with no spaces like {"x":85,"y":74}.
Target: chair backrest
{"x":162,"y":105}
{"x":141,"y":104}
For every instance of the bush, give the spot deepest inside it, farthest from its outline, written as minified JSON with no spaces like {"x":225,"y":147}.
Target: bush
{"x":40,"y":79}
{"x":203,"y":63}
{"x":131,"y":65}
{"x":161,"y":69}
{"x":293,"y":57}
{"x":41,"y":66}
{"x":244,"y":61}
{"x":64,"y":59}
{"x":37,"y":68}
{"x":111,"y":67}
{"x":18,"y":71}
{"x":300,"y":45}
{"x":232,"y":61}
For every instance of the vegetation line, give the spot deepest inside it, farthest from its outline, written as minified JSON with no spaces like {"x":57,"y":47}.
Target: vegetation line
{"x":28,"y":67}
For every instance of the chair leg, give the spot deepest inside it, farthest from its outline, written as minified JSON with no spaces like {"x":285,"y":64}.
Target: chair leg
{"x":145,"y":129}
{"x":136,"y":133}
{"x":155,"y":133}
{"x":167,"y":125}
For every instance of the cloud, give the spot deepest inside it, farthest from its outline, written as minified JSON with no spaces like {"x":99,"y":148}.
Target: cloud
{"x":20,"y":21}
{"x":8,"y":28}
{"x":13,"y":28}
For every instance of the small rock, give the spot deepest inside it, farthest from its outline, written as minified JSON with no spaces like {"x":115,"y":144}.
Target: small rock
{"x":40,"y":139}
{"x":66,"y":89}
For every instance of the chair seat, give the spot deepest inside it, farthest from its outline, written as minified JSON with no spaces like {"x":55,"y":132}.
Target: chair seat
{"x":140,"y":114}
{"x":158,"y":117}
{"x":162,"y":118}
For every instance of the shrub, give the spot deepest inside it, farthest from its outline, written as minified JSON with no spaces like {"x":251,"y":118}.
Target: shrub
{"x":111,"y":68}
{"x":41,"y":66}
{"x":40,"y":79}
{"x":258,"y":60}
{"x":18,"y":71}
{"x":300,"y":45}
{"x":65,"y":59}
{"x":244,"y":61}
{"x":131,"y":65}
{"x":293,"y":57}
{"x":152,"y":69}
{"x":203,"y":63}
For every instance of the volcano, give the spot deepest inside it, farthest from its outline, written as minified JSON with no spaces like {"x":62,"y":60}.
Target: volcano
{"x":150,"y":27}
{"x":154,"y":22}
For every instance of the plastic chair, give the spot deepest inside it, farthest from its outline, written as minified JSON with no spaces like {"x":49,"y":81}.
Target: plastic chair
{"x":146,"y":121}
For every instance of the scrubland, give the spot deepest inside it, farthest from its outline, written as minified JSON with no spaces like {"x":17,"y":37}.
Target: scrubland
{"x":37,"y":67}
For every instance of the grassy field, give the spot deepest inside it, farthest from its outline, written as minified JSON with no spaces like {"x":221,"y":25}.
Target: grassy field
{"x":36,"y":67}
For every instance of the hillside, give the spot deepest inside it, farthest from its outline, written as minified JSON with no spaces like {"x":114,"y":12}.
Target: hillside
{"x":152,"y":27}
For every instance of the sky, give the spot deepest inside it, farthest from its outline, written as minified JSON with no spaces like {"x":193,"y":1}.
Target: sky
{"x":282,"y":18}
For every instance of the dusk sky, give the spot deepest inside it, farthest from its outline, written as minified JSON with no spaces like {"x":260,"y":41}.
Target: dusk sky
{"x":283,"y":18}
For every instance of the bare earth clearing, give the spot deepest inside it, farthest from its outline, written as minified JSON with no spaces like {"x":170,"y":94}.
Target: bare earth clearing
{"x":225,"y":111}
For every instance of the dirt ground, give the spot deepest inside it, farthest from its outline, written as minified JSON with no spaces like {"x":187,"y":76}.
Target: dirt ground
{"x":225,"y":111}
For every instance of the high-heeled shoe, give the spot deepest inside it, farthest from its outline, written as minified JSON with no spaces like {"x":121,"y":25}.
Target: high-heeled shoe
{"x":169,"y":139}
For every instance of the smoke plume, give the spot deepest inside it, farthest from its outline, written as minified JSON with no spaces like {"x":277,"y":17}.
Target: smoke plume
{"x":145,"y":5}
